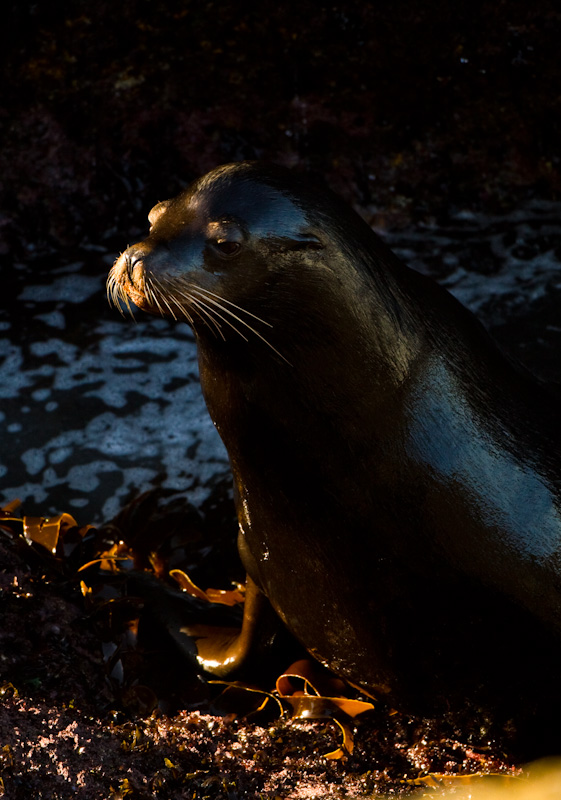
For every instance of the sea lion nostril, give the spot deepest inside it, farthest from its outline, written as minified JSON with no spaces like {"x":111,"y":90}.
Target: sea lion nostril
{"x":132,"y":256}
{"x":134,"y":262}
{"x":129,"y":263}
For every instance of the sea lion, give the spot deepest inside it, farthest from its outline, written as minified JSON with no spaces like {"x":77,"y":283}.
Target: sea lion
{"x":397,"y":479}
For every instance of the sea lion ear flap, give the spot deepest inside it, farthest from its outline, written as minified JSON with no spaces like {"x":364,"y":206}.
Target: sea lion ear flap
{"x":157,"y":211}
{"x":306,"y":241}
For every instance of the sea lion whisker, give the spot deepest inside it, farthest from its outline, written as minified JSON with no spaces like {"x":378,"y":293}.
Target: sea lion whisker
{"x":109,"y":289}
{"x":149,"y":294}
{"x":124,"y":296}
{"x":117,"y":300}
{"x":235,"y":305}
{"x":243,"y":322}
{"x":155,"y":293}
{"x":182,"y":313}
{"x":163,"y":297}
{"x":208,"y":319}
{"x":152,"y":295}
{"x":226,"y":311}
{"x":119,"y":296}
{"x":199,"y":308}
{"x":224,"y":319}
{"x":210,"y":312}
{"x":171,"y":290}
{"x":217,"y":329}
{"x":171,"y":311}
{"x":114,"y":293}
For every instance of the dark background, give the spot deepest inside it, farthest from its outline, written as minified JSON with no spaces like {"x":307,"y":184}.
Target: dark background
{"x":409,"y":107}
{"x":439,"y":121}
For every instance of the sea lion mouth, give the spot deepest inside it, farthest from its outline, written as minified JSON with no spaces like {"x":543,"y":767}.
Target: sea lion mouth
{"x":127,"y":281}
{"x":182,"y":301}
{"x":135,"y":287}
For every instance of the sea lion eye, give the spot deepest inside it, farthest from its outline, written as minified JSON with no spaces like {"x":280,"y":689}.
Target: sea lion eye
{"x":226,"y":247}
{"x":224,"y":237}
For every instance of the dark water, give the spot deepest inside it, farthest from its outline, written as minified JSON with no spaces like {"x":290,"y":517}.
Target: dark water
{"x":95,"y":408}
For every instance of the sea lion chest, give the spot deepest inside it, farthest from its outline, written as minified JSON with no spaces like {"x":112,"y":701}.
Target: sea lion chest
{"x":418,"y":504}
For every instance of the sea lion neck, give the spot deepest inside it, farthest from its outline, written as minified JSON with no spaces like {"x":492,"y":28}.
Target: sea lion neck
{"x":358,"y":353}
{"x":314,"y":312}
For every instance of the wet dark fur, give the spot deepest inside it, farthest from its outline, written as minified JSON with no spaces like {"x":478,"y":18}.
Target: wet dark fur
{"x":398,"y":481}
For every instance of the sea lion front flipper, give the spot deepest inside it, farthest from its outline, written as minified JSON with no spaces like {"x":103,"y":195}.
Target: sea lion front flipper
{"x":222,"y":651}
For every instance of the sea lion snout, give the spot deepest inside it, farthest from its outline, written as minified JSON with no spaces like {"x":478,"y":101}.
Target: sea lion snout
{"x":136,"y":260}
{"x":145,"y":257}
{"x":127,"y":278}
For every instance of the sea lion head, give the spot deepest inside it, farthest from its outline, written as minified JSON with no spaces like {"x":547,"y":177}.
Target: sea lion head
{"x":243,"y":248}
{"x":226,"y":240}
